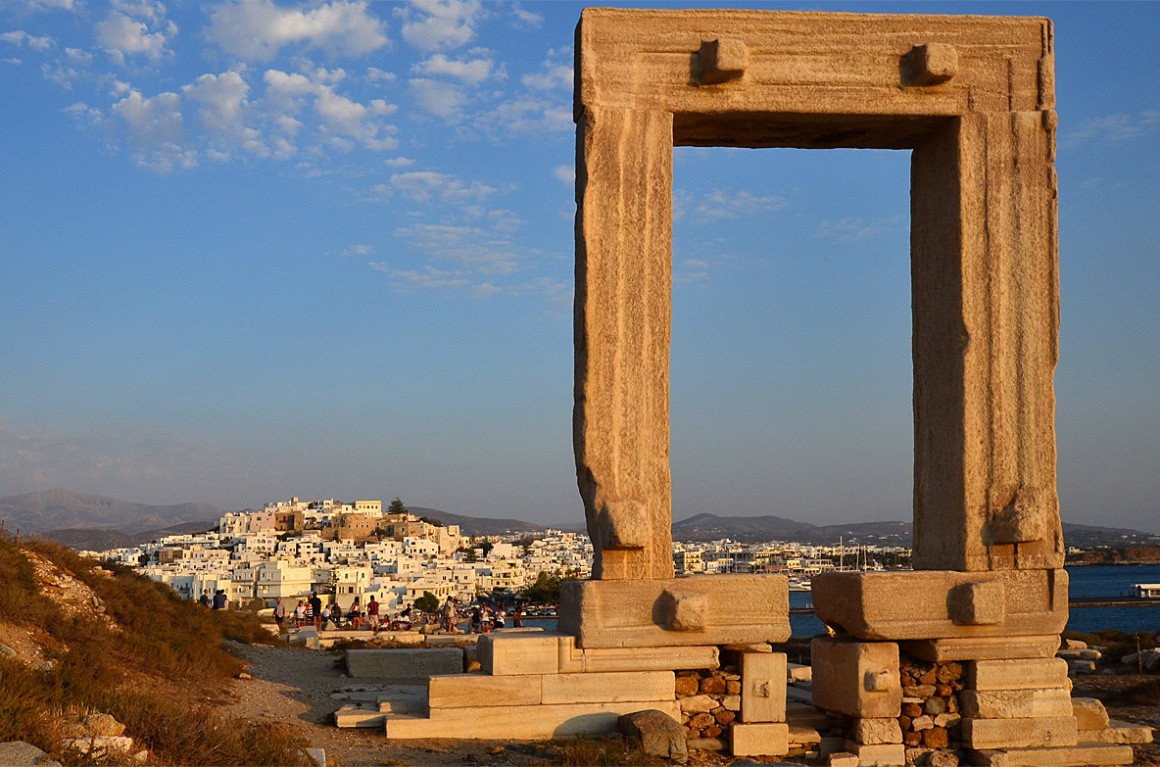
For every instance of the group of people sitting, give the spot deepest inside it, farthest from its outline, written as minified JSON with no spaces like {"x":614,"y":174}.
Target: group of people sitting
{"x":484,"y":617}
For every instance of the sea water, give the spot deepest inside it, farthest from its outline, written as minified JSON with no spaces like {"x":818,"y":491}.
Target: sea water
{"x":1090,"y":581}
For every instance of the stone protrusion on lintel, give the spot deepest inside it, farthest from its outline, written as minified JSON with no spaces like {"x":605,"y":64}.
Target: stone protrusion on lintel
{"x":931,"y":64}
{"x":721,"y":60}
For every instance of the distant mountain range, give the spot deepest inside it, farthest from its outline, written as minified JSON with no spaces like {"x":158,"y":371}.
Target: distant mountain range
{"x":478,"y":525}
{"x":60,"y":509}
{"x":97,"y":523}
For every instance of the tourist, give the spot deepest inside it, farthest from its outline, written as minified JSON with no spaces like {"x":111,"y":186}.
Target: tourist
{"x":355,"y":615}
{"x":448,"y":614}
{"x":203,"y":600}
{"x":279,"y":613}
{"x":500,"y":618}
{"x":299,"y":614}
{"x":518,"y":616}
{"x":316,"y":610}
{"x":476,"y":620}
{"x":219,"y":600}
{"x":309,"y":612}
{"x":325,"y":618}
{"x":373,"y":614}
{"x":336,"y":615}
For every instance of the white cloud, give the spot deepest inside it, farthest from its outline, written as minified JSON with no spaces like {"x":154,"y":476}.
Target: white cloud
{"x":436,"y":97}
{"x":718,"y":205}
{"x":429,"y":277}
{"x":529,"y":115}
{"x":551,"y":77}
{"x":422,"y":186}
{"x":1113,"y":128}
{"x":120,"y":35}
{"x":376,"y":75}
{"x":78,"y":56}
{"x":157,"y":130}
{"x":222,"y":98}
{"x":20,"y":38}
{"x":565,"y":173}
{"x":471,"y":71}
{"x":526,"y":17}
{"x":357,"y":250}
{"x":257,"y":29}
{"x":341,"y":119}
{"x":433,"y":25}
{"x":470,"y":247}
{"x":853,"y":229}
{"x":45,"y":5}
{"x":400,"y":162}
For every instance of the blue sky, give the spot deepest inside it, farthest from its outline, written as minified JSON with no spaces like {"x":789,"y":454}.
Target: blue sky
{"x":254,"y":249}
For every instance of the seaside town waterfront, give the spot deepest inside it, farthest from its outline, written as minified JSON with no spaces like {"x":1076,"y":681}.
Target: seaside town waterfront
{"x":357,"y":551}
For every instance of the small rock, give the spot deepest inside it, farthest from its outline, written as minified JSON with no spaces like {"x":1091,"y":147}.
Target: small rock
{"x":244,"y":675}
{"x":8,"y":652}
{"x":494,"y":750}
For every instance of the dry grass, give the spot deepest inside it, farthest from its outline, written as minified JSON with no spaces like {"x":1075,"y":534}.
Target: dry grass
{"x":155,"y":676}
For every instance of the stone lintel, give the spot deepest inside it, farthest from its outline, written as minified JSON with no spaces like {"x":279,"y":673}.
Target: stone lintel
{"x":520,"y":722}
{"x":981,"y":648}
{"x":1044,"y":732}
{"x":938,"y":604}
{"x":1080,"y":755}
{"x":722,"y":610}
{"x":1021,"y":674}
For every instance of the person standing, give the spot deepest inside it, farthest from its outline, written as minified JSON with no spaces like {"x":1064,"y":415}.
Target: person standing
{"x":203,"y":600}
{"x":316,"y":610}
{"x":279,"y":614}
{"x":373,"y":614}
{"x":299,"y":614}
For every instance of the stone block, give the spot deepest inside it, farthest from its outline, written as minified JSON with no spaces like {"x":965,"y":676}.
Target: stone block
{"x":1022,"y":674}
{"x":807,"y":716}
{"x":760,"y":739}
{"x":763,"y":678}
{"x":1120,"y":732}
{"x":1016,"y":704}
{"x":1081,"y":755}
{"x":877,"y":732}
{"x":981,"y":648}
{"x":461,"y":690}
{"x":611,"y":687}
{"x":355,"y":716}
{"x":1089,"y":714}
{"x":404,"y":663}
{"x":803,"y":736}
{"x":878,"y":756}
{"x":518,"y":722}
{"x":719,"y":610}
{"x":938,"y":604}
{"x":843,"y":759}
{"x":1019,"y":733}
{"x":575,"y":660}
{"x":519,"y":654}
{"x":857,"y":679}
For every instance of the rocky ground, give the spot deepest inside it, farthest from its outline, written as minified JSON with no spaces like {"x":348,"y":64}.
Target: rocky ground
{"x":296,"y":686}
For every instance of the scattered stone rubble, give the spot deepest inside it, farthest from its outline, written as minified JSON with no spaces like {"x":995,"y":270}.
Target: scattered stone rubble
{"x":710,"y":699}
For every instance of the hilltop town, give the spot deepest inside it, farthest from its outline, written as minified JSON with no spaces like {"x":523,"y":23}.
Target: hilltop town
{"x":292,"y":548}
